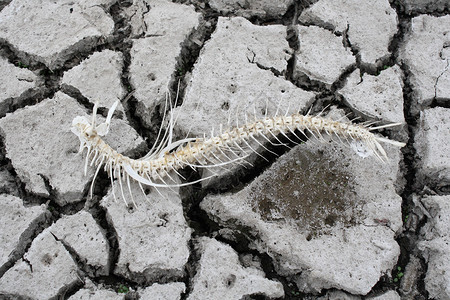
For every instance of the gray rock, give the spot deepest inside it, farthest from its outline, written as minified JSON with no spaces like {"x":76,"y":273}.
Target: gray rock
{"x":91,"y":291}
{"x":221,"y":276}
{"x":370,"y":24}
{"x":423,"y":6}
{"x":427,"y":56}
{"x":252,"y":8}
{"x":169,"y":291}
{"x":46,"y":271}
{"x":238,"y":64}
{"x":81,"y":233}
{"x":16,"y":83}
{"x":18,"y":224}
{"x":390,"y":295}
{"x":154,"y":58}
{"x":325,"y":215}
{"x":43,"y":147}
{"x":322,"y":56}
{"x":435,"y":246}
{"x":378,"y":97}
{"x":98,"y":78}
{"x":135,"y":14}
{"x":433,"y":149}
{"x":153,"y":237}
{"x":50,"y":32}
{"x":338,"y":295}
{"x":86,"y":294}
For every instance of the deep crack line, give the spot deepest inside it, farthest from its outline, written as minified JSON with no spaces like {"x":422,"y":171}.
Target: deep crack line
{"x":437,"y":79}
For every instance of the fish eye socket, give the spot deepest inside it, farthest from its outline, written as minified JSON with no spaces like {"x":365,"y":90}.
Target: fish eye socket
{"x":88,"y":133}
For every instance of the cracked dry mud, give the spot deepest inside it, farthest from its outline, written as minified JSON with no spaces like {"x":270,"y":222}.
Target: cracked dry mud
{"x":309,"y":221}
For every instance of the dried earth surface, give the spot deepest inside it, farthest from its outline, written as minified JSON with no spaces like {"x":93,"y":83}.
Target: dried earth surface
{"x":307,"y":219}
